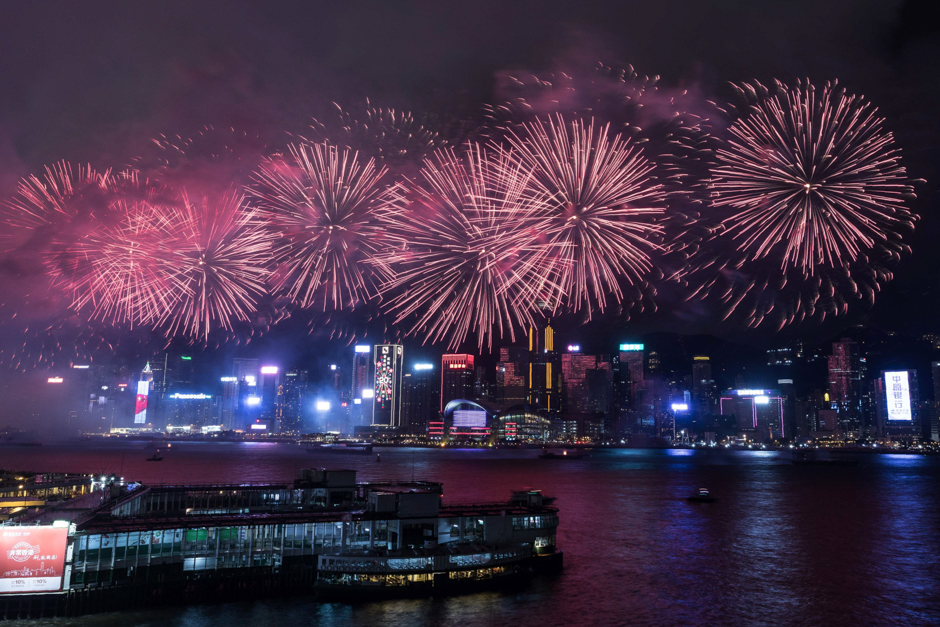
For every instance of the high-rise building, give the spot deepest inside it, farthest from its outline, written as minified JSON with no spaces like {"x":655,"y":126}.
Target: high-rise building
{"x":545,"y":376}
{"x":845,"y":384}
{"x":457,"y":378}
{"x":361,"y":391}
{"x":704,"y":390}
{"x":419,"y":399}
{"x":512,"y":376}
{"x":291,"y":401}
{"x":759,"y":413}
{"x":899,"y":411}
{"x":268,"y":387}
{"x":143,"y":391}
{"x":935,"y":372}
{"x":631,"y":359}
{"x":585,"y":391}
{"x":387,"y":388}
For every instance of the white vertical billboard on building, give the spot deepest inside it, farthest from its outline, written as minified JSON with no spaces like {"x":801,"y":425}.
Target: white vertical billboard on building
{"x":898,"y":395}
{"x":140,"y":407}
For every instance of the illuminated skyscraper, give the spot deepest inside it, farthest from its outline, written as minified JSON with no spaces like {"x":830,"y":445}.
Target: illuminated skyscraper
{"x":759,"y":413}
{"x":582,"y":385}
{"x":512,"y":376}
{"x":291,"y":399}
{"x":419,"y":399}
{"x":845,"y":384}
{"x":268,"y":388}
{"x":704,"y":391}
{"x":456,"y":378}
{"x":545,"y":376}
{"x":898,"y":409}
{"x":361,"y":377}
{"x":143,"y":391}
{"x":387,"y":388}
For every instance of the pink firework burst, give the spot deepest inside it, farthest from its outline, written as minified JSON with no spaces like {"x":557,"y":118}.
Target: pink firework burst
{"x":325,"y":205}
{"x":469,"y":257}
{"x":600,"y":211}
{"x":219,"y":258}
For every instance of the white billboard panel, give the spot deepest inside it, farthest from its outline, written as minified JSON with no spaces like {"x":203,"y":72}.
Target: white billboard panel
{"x":898,"y":395}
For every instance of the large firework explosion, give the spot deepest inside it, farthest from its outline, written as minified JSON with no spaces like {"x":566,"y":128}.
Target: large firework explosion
{"x":591,"y":189}
{"x":810,"y":193}
{"x":325,"y":205}
{"x":219,"y":259}
{"x":599,"y":217}
{"x":470,"y":257}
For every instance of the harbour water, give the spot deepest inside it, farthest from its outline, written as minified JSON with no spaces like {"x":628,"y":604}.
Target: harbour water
{"x":784,"y":545}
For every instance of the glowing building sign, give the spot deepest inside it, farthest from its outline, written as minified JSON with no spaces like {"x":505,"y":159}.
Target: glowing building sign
{"x":268,"y":369}
{"x":750,"y":392}
{"x":424,"y":366}
{"x":55,"y":380}
{"x":360,"y":348}
{"x":140,"y":407}
{"x":469,"y":418}
{"x":190,"y":397}
{"x":680,"y":407}
{"x":626,"y":348}
{"x":32,"y":558}
{"x":387,"y":386}
{"x":573,"y":348}
{"x":898,"y":395}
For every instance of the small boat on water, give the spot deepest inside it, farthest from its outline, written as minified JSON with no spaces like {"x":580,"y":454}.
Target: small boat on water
{"x":703,"y":496}
{"x":342,"y":447}
{"x":378,"y":457}
{"x":546,"y":454}
{"x":812,"y":458}
{"x":156,"y":457}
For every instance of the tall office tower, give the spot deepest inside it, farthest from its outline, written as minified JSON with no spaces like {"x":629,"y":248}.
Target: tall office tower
{"x":654,"y":365}
{"x":387,"y":397}
{"x":419,"y":399}
{"x":228,"y":403}
{"x":361,"y":387}
{"x":291,"y":401}
{"x":482,"y":384}
{"x":268,"y":386}
{"x":845,"y":384}
{"x":704,"y":390}
{"x":935,"y":375}
{"x":759,"y":413}
{"x":898,"y":398}
{"x":788,"y":393}
{"x":143,"y":391}
{"x":456,"y":378}
{"x":511,"y":376}
{"x":545,"y":376}
{"x":580,"y":397}
{"x":631,"y":359}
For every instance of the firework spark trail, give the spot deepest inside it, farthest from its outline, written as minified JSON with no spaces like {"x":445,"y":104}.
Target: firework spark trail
{"x":391,"y":136}
{"x":816,"y":192}
{"x":470,"y":258}
{"x":814,"y":172}
{"x":601,"y":209}
{"x":120,"y":275}
{"x":48,"y":212}
{"x":219,"y":262}
{"x":327,"y":206}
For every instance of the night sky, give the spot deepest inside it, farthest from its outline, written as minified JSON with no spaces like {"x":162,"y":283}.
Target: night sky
{"x":94,"y":81}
